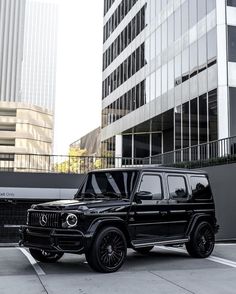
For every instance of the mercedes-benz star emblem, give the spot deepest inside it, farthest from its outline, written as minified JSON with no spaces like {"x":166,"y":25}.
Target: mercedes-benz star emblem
{"x":43,"y":220}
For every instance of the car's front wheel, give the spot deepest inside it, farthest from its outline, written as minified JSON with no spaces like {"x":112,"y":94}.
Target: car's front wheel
{"x":45,"y":256}
{"x":108,"y":251}
{"x":202,"y":241}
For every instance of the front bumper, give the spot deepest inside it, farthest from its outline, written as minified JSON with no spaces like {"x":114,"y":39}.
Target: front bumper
{"x":63,"y":240}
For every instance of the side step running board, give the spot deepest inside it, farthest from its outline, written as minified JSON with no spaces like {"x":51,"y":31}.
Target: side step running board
{"x":169,"y":242}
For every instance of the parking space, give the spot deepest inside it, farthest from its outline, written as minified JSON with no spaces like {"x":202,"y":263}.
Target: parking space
{"x":163,"y":270}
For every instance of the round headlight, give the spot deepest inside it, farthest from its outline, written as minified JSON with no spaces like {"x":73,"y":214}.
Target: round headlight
{"x":71,"y":220}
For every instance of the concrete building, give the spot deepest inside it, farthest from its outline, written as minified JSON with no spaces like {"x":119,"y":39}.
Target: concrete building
{"x":28,"y":41}
{"x":169,"y":71}
{"x":24,"y":129}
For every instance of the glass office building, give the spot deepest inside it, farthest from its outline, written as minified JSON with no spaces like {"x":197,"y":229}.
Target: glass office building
{"x":168,"y":74}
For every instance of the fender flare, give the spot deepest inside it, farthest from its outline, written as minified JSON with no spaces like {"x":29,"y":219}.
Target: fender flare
{"x":195,"y":219}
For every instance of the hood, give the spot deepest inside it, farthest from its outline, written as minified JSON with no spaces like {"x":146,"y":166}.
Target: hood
{"x":94,"y":205}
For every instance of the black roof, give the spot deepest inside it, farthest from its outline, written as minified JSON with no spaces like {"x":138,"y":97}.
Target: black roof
{"x":151,"y":167}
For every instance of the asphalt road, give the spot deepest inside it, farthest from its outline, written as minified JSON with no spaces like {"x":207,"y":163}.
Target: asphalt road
{"x":163,"y":270}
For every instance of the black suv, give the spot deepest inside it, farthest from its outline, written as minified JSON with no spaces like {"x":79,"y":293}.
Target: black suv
{"x":116,"y":209}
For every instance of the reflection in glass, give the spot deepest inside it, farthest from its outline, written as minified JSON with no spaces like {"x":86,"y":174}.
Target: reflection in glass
{"x":211,"y":4}
{"x":185,"y":124}
{"x":192,"y":13}
{"x":211,"y":46}
{"x":178,"y":127}
{"x":201,"y":9}
{"x":141,"y":145}
{"x":185,"y":64}
{"x":194,"y":122}
{"x":232,"y":43}
{"x":152,"y":46}
{"x":164,"y":36}
{"x":156,"y":143}
{"x":203,"y":118}
{"x":158,"y":82}
{"x":153,"y":86}
{"x":185,"y":17}
{"x":202,"y":53}
{"x":127,"y":146}
{"x":212,"y":108}
{"x":193,"y":59}
{"x":177,"y":24}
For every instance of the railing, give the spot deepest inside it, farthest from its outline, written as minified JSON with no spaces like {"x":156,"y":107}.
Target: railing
{"x":221,"y":151}
{"x":213,"y":153}
{"x":61,"y":163}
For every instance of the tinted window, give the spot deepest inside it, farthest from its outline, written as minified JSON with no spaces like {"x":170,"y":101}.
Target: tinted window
{"x":152,"y":183}
{"x":200,"y":188}
{"x":177,"y":187}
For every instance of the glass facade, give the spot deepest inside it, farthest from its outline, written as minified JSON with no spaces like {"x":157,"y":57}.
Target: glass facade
{"x":165,"y":77}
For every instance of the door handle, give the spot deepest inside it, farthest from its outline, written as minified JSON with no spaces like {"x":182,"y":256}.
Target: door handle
{"x":163,"y":213}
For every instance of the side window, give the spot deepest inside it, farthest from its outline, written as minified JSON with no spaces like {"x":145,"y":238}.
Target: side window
{"x":200,"y":188}
{"x":152,"y":184}
{"x":177,"y":187}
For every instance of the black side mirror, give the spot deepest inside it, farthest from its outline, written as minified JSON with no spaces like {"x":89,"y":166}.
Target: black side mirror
{"x":143,"y":195}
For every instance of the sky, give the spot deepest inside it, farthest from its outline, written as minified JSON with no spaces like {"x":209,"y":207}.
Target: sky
{"x":79,"y":71}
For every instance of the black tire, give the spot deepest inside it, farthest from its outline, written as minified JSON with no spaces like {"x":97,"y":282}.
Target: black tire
{"x":144,"y":250}
{"x":108,"y":251}
{"x":45,"y":256}
{"x":202,"y":241}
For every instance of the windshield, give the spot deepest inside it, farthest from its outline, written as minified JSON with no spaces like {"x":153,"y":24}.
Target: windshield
{"x":108,"y":184}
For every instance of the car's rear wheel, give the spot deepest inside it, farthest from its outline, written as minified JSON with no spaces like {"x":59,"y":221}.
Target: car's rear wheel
{"x":202,"y":241}
{"x":45,"y":256}
{"x":144,"y":250}
{"x":108,"y":251}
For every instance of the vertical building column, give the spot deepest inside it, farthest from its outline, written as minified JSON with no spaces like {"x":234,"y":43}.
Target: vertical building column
{"x":118,"y":150}
{"x":223,"y":101}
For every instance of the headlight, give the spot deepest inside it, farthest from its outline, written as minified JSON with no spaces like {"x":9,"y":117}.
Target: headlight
{"x":71,"y":220}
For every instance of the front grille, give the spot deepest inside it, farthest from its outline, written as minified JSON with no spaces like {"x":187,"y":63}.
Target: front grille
{"x":45,"y":219}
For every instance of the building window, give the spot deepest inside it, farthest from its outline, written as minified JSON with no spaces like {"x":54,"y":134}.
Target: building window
{"x":156,"y":143}
{"x":203,"y":119}
{"x":141,"y":145}
{"x":232,"y":43}
{"x":127,"y":146}
{"x":212,"y":109}
{"x":231,"y":3}
{"x":194,"y":121}
{"x":232,"y":99}
{"x":192,"y":13}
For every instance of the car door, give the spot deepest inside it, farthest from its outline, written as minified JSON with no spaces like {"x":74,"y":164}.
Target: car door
{"x":179,"y":208}
{"x":150,"y":215}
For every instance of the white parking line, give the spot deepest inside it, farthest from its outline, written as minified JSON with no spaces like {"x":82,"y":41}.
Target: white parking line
{"x":216,"y":259}
{"x":33,"y":262}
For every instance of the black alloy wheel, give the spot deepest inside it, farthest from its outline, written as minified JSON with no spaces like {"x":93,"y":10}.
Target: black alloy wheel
{"x":108,"y":251}
{"x":144,"y":250}
{"x":202,"y":241}
{"x":45,"y":256}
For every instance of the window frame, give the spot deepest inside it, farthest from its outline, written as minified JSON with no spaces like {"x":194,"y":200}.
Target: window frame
{"x":162,"y":186}
{"x":182,"y":199}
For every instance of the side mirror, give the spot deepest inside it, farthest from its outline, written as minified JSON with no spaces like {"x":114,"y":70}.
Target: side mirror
{"x":143,"y":195}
